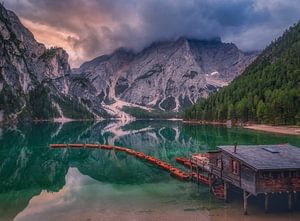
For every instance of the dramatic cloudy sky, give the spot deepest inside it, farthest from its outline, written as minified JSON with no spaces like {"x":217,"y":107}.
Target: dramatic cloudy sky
{"x":88,"y":28}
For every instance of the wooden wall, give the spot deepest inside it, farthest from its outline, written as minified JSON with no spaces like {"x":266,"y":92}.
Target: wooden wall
{"x":227,"y":175}
{"x":277,"y":183}
{"x":248,"y":182}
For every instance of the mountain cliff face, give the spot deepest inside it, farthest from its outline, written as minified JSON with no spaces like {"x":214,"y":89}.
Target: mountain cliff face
{"x":169,"y":76}
{"x":33,"y":79}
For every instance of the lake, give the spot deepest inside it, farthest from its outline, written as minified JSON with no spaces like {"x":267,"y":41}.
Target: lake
{"x":39,"y":183}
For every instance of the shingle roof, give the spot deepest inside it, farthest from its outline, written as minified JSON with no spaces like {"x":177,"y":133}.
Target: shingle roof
{"x":267,"y":157}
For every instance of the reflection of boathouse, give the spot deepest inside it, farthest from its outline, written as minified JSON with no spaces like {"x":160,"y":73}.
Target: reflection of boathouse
{"x":262,"y":169}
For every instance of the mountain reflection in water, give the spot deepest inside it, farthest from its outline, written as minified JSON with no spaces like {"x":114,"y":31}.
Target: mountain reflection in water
{"x":39,"y":183}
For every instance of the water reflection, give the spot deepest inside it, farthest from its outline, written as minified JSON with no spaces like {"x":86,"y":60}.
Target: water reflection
{"x":32,"y":174}
{"x":53,"y":203}
{"x":90,"y":199}
{"x":210,"y":136}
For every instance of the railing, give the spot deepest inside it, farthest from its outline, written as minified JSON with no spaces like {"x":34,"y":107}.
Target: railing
{"x":202,"y":162}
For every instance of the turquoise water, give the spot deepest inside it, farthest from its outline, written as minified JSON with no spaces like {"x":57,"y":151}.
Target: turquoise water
{"x":39,"y":183}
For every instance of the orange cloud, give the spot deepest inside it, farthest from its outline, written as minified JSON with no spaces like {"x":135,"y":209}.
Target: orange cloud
{"x":51,"y":37}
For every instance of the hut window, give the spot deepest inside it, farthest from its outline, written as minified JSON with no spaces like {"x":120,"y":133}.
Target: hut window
{"x":219,"y":163}
{"x":235,"y":167}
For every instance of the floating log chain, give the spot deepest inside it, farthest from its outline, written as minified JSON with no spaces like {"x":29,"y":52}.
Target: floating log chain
{"x":179,"y":174}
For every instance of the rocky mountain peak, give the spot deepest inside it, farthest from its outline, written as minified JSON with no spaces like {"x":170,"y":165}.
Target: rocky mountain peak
{"x":167,"y":75}
{"x":13,"y":30}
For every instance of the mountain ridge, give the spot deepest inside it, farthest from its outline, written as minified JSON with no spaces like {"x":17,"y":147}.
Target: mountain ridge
{"x":37,"y":83}
{"x":184,"y":57}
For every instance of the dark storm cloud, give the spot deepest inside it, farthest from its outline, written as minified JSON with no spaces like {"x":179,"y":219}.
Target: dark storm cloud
{"x":87,"y":28}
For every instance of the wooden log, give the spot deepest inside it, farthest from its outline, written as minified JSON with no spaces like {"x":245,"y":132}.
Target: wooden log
{"x":76,"y":145}
{"x":106,"y":147}
{"x":92,"y":145}
{"x":120,"y":149}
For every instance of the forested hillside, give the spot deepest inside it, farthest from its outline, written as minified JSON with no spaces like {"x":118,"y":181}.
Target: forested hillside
{"x":267,"y":92}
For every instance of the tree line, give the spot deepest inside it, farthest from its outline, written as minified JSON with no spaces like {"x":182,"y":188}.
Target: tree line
{"x":267,"y":92}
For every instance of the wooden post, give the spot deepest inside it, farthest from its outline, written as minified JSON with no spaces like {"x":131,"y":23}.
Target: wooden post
{"x":210,"y":182}
{"x":245,"y":203}
{"x":266,"y":202}
{"x":295,"y":198}
{"x":290,"y":200}
{"x":225,"y":191}
{"x":191,"y":169}
{"x":198,"y":175}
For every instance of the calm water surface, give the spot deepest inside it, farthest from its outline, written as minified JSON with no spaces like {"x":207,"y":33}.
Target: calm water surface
{"x":39,"y":183}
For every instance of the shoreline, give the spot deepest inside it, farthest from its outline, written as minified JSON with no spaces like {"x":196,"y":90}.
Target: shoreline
{"x":204,"y":122}
{"x":278,"y":129}
{"x":275,"y":129}
{"x":67,"y":120}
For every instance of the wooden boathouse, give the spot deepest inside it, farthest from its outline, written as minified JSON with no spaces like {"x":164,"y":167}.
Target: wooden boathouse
{"x":259,"y":169}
